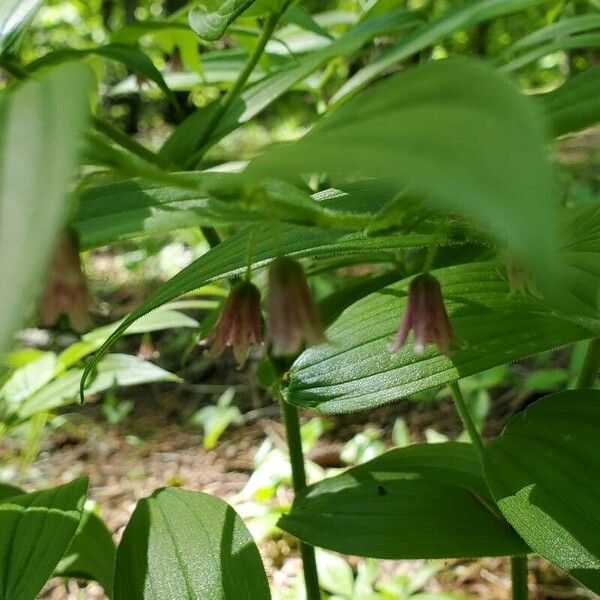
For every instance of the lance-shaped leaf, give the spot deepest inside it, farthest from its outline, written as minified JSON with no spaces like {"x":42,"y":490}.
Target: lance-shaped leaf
{"x":36,"y":531}
{"x":133,"y":58}
{"x":230,"y":257}
{"x":478,"y":149}
{"x":422,"y":501}
{"x":467,"y":15}
{"x":543,"y":472}
{"x":188,"y":545}
{"x":355,"y":371}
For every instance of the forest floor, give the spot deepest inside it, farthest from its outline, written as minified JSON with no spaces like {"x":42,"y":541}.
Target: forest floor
{"x":127,"y":462}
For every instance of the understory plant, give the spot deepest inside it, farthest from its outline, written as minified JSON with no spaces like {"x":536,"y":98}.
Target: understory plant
{"x":426,"y":185}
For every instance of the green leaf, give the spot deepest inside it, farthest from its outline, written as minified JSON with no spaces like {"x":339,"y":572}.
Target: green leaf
{"x":115,"y":370}
{"x":420,"y":128}
{"x":465,"y":16}
{"x":421,"y":501}
{"x":181,"y":146}
{"x":15,"y":15}
{"x":210,"y":25}
{"x":576,"y":104}
{"x":188,"y":545}
{"x":355,"y":371}
{"x":584,"y":40}
{"x":230,"y":257}
{"x":131,"y":57}
{"x":541,"y":471}
{"x":561,"y":28}
{"x":91,"y":555}
{"x":36,"y":531}
{"x":41,"y":123}
{"x":8,"y":491}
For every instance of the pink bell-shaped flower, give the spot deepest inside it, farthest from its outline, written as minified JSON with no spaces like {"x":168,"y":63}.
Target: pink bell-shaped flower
{"x":426,"y":315}
{"x":292,"y":318}
{"x":240,"y":323}
{"x":66,"y":290}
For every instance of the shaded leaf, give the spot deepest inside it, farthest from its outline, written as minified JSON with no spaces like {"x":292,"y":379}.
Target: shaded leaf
{"x":542,"y":472}
{"x":421,"y":501}
{"x":420,"y":128}
{"x":91,"y":555}
{"x":36,"y":531}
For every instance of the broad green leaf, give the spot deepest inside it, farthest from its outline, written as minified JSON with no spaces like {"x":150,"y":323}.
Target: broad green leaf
{"x":420,"y":128}
{"x":36,"y":531}
{"x":465,"y":16}
{"x":542,"y":472}
{"x":188,"y":545}
{"x":584,"y":40}
{"x":133,"y":58}
{"x":15,"y":15}
{"x":421,"y":501}
{"x":576,"y":104}
{"x":41,"y":123}
{"x":91,"y":554}
{"x":266,"y":241}
{"x":210,"y":25}
{"x":181,"y":146}
{"x":355,"y":370}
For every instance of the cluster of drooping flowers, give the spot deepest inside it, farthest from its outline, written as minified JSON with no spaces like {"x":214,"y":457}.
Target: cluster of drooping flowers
{"x":292,"y":315}
{"x":65,"y":290}
{"x":293,"y":319}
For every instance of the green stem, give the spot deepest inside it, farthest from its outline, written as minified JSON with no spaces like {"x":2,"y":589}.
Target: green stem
{"x":128,"y":143}
{"x":227,"y":100}
{"x":294,"y":441}
{"x":518,"y":568}
{"x":465,"y":417}
{"x":591,"y":364}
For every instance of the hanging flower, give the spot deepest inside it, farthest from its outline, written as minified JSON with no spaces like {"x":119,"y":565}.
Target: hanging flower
{"x":426,"y":315}
{"x":293,"y":318}
{"x":66,"y":289}
{"x":240,"y":323}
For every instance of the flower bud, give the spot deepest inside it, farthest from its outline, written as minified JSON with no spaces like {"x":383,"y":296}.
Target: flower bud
{"x":66,"y":289}
{"x":426,"y":315}
{"x":293,"y":318}
{"x":240,"y":323}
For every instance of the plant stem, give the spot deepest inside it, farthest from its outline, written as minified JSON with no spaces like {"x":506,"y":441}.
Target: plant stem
{"x":518,"y":568}
{"x":294,"y":441}
{"x":227,"y":100}
{"x":591,"y":364}
{"x":465,"y":417}
{"x":520,"y":590}
{"x":123,"y":140}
